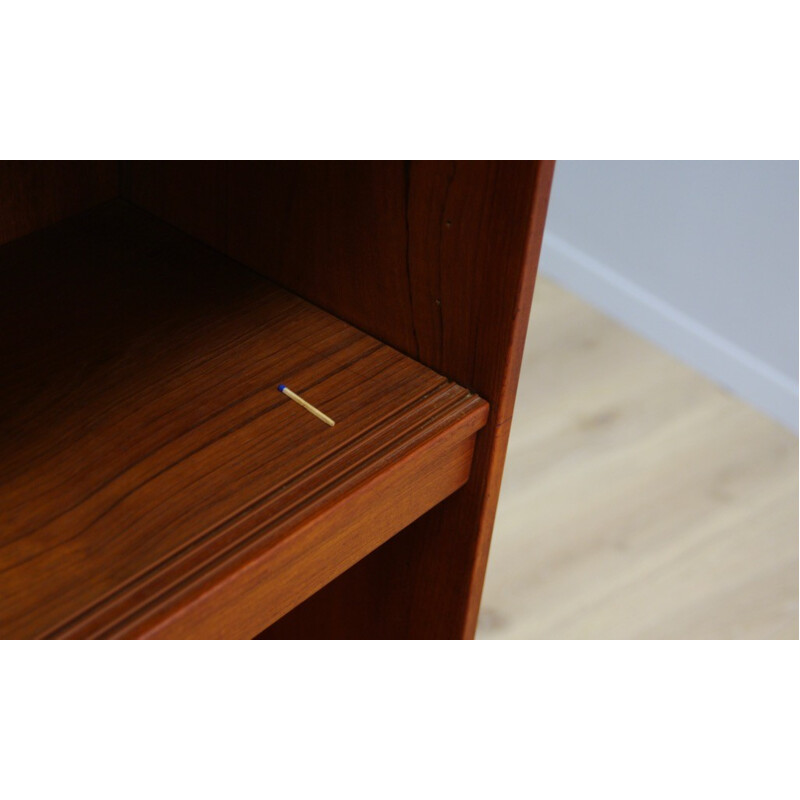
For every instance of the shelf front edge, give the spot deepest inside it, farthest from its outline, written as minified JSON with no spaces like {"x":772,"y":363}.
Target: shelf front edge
{"x":269,"y":572}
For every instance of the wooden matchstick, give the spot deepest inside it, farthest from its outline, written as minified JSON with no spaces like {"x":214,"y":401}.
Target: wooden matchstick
{"x":307,"y":406}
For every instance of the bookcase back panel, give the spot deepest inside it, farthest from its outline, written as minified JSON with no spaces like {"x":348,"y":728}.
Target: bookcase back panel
{"x":35,"y":194}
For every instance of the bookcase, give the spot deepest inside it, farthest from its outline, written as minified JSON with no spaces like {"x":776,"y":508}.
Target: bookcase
{"x":154,"y":483}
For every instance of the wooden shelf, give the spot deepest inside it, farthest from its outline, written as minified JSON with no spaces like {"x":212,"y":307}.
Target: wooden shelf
{"x":153,"y":481}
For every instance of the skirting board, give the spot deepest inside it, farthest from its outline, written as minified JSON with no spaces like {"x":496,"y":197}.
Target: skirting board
{"x":725,"y":363}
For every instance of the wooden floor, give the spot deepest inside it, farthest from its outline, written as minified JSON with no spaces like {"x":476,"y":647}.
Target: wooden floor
{"x":639,"y":500}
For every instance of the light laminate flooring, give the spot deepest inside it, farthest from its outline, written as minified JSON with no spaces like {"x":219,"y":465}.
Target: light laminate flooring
{"x":639,"y":499}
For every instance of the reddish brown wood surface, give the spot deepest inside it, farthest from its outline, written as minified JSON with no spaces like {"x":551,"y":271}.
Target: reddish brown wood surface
{"x":152,"y":479}
{"x":34,"y":194}
{"x":259,"y":583}
{"x":437,"y":259}
{"x":427,"y":581}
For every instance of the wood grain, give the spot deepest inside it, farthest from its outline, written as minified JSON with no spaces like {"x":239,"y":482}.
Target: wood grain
{"x":154,"y":481}
{"x":438,"y":260}
{"x":35,"y":194}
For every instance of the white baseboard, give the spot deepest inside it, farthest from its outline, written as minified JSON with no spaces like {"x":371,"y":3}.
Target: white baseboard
{"x":717,"y":358}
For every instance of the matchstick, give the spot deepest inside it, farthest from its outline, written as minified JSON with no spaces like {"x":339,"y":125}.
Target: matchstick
{"x":307,"y":406}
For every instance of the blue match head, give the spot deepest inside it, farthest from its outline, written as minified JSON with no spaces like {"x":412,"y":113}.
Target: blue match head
{"x":281,"y":387}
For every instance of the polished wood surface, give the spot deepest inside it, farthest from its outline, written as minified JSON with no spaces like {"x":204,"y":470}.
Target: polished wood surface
{"x":154,"y":481}
{"x":650,"y":504}
{"x":437,"y":259}
{"x":428,"y":580}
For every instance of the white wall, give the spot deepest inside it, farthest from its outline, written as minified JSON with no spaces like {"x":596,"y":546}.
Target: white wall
{"x":701,"y":257}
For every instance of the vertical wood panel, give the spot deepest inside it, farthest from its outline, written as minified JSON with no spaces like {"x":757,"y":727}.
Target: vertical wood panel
{"x":333,"y":232}
{"x":191,"y":195}
{"x":34,"y":194}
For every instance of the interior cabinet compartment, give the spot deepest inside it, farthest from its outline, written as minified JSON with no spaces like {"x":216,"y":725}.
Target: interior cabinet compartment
{"x":153,"y":480}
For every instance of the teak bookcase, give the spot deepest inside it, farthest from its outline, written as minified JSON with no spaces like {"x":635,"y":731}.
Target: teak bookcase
{"x":153,"y":480}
